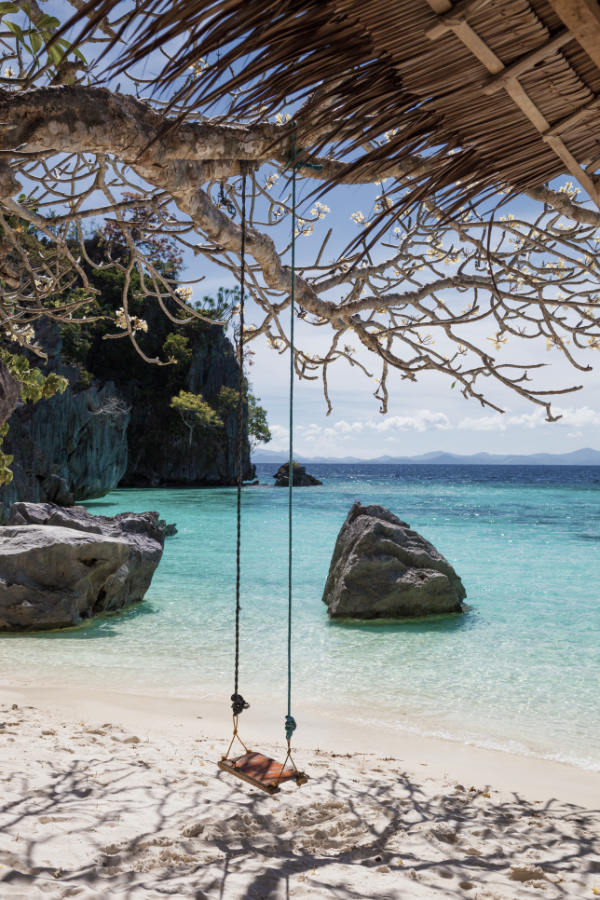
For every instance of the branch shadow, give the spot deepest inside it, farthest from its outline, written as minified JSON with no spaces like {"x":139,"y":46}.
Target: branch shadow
{"x":362,"y":827}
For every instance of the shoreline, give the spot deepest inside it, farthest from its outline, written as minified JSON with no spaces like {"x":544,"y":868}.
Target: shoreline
{"x":532,"y":775}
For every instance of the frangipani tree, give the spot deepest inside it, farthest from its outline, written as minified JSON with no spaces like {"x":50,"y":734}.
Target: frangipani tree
{"x":426,"y":288}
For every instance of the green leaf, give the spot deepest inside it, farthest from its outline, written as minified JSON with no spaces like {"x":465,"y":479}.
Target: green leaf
{"x":46,"y":21}
{"x":36,"y":42}
{"x":16,"y":30}
{"x":8,"y":8}
{"x":56,"y":54}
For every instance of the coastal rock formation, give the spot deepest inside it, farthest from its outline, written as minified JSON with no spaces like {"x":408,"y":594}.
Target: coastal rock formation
{"x":59,"y":566}
{"x":160,"y":452}
{"x":9,"y":393}
{"x":301,"y":476}
{"x":381,"y":568}
{"x":114,"y":424}
{"x":70,"y":447}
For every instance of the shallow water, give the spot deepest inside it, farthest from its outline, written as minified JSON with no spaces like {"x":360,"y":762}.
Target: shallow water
{"x":520,"y":670}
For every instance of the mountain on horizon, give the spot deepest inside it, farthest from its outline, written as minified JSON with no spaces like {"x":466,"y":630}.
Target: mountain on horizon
{"x":586,"y":456}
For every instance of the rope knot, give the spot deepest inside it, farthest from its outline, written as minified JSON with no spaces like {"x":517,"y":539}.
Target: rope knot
{"x":238,"y":704}
{"x":290,"y":727}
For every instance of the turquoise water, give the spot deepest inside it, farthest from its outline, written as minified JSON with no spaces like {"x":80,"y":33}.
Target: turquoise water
{"x":521,"y":670}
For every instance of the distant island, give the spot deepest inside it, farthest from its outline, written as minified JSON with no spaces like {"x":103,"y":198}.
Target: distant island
{"x":584,"y":457}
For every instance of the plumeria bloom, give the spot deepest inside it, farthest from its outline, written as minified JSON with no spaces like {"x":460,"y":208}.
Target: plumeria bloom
{"x":184,"y":293}
{"x":122,"y":320}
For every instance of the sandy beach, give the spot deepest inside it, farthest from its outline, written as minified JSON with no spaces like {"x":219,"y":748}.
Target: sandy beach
{"x":118,"y":795}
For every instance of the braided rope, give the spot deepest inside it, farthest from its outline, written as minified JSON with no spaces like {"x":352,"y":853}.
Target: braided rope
{"x":290,"y":722}
{"x":238,"y":704}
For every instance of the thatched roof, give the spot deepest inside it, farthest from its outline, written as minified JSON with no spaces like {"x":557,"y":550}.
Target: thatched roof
{"x":512,"y":85}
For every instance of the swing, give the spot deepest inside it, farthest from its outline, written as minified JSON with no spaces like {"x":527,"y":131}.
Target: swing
{"x":255,"y":768}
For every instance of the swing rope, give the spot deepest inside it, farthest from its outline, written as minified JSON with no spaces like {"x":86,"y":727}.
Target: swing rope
{"x":238,"y":704}
{"x":290,"y":722}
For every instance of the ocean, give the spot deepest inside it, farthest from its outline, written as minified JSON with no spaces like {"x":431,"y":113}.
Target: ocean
{"x":519,"y":671}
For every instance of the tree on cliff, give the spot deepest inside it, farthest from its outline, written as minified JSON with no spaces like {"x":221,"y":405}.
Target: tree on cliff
{"x":195,"y":412}
{"x":462,"y":292}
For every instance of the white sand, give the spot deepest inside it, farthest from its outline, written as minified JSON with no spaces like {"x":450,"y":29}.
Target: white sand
{"x":114,"y":795}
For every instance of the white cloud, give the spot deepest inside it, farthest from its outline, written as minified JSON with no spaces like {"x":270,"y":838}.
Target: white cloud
{"x":280,"y":437}
{"x":484,"y":423}
{"x":422,"y":420}
{"x":579,"y":417}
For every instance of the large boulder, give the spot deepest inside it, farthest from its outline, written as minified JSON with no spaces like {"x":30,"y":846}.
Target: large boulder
{"x":301,"y":476}
{"x":60,"y":566}
{"x":381,"y":568}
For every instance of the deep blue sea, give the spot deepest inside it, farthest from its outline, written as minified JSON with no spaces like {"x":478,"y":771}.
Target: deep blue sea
{"x":520,"y":670}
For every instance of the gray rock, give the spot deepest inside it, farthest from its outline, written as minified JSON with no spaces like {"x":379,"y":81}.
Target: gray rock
{"x":59,"y":566}
{"x":301,"y":476}
{"x":169,"y":529}
{"x":73,"y":445}
{"x":381,"y":568}
{"x":9,"y":393}
{"x":121,"y":428}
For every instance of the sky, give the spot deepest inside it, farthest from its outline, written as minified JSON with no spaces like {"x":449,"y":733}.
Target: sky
{"x":423,"y":416}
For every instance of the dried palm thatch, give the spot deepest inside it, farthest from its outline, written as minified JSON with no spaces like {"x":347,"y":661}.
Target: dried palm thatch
{"x":505,"y":85}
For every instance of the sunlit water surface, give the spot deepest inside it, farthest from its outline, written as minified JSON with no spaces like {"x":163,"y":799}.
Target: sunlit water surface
{"x":520,"y":670}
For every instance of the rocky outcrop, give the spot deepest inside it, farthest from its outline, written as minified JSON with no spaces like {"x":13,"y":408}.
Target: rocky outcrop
{"x":301,"y":476}
{"x":120,"y":429}
{"x":160,"y":452}
{"x":381,"y":568}
{"x":70,"y":447}
{"x":60,"y":566}
{"x":9,"y":393}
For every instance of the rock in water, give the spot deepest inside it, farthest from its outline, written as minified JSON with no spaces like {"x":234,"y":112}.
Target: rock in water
{"x":301,"y":476}
{"x":381,"y":568}
{"x":60,"y":566}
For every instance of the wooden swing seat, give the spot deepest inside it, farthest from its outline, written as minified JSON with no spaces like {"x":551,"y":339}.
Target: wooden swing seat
{"x":261,"y":771}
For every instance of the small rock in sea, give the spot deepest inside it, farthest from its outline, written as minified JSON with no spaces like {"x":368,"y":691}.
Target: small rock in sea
{"x":169,"y":528}
{"x":59,"y":566}
{"x":381,"y":568}
{"x":301,"y":476}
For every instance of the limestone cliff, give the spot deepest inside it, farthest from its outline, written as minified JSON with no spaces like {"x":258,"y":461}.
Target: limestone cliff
{"x":160,"y":452}
{"x":72,"y":446}
{"x":114,"y":425}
